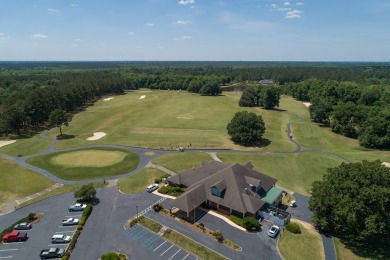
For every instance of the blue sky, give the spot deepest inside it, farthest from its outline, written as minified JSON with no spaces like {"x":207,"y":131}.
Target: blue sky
{"x":244,"y":30}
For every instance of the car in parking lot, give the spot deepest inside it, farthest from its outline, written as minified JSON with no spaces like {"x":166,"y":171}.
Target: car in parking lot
{"x":77,"y":207}
{"x":60,"y":238}
{"x":273,"y":231}
{"x":152,"y":187}
{"x":70,"y":221}
{"x":54,"y":252}
{"x":23,"y":226}
{"x":15,"y":236}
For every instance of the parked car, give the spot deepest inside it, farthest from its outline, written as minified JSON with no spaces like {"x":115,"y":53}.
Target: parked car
{"x":273,"y":231}
{"x":60,"y":238}
{"x":54,"y":252}
{"x":152,"y":187}
{"x":77,"y":207}
{"x":15,"y":236}
{"x":70,"y":221}
{"x":23,"y":226}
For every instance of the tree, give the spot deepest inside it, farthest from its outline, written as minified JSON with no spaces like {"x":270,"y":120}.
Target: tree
{"x":246,"y":128}
{"x":210,"y":89}
{"x":85,"y":193}
{"x":353,"y":201}
{"x":270,"y":97}
{"x":248,"y":98}
{"x":58,"y":118}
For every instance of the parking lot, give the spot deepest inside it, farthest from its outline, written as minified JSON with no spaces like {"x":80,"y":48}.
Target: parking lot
{"x":162,"y":248}
{"x":40,"y":234}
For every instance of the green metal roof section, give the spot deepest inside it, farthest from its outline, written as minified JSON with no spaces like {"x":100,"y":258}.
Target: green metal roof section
{"x":272,"y":194}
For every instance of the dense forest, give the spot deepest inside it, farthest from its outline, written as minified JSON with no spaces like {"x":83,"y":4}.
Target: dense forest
{"x":351,"y":98}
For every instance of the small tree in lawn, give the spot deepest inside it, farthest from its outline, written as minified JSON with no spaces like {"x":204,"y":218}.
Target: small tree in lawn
{"x":58,"y":117}
{"x":85,"y":193}
{"x":246,"y":128}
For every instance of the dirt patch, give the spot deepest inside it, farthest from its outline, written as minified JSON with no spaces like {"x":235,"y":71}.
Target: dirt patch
{"x":185,"y":117}
{"x":309,"y":227}
{"x":4,"y":143}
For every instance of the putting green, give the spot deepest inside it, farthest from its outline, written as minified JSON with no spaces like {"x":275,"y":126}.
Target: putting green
{"x":89,"y":158}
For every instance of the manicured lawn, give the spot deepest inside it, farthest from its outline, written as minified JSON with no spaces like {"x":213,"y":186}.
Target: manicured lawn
{"x":17,"y":182}
{"x":71,"y":172}
{"x":295,"y":172}
{"x":26,"y":146}
{"x":347,"y":250}
{"x":178,"y":162}
{"x":307,"y":245}
{"x":150,"y":224}
{"x":343,"y":253}
{"x":59,"y":191}
{"x":138,"y":182}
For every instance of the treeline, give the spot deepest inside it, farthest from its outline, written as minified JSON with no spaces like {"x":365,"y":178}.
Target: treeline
{"x":352,"y":109}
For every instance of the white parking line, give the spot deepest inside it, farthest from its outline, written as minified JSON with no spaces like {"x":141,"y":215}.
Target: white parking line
{"x":6,"y":256}
{"x":12,"y":243}
{"x":72,"y":226}
{"x":175,"y":254}
{"x":185,"y":257}
{"x":160,"y":245}
{"x":65,"y":231}
{"x":166,"y":250}
{"x":3,"y":250}
{"x":57,"y":245}
{"x":72,"y":216}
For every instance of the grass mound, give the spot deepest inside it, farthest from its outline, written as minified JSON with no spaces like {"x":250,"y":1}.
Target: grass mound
{"x":77,"y":171}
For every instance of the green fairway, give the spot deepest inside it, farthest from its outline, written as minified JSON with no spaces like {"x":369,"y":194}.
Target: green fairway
{"x":182,"y":161}
{"x":17,"y":182}
{"x":129,"y":162}
{"x":138,"y":182}
{"x":26,"y":146}
{"x":89,"y":158}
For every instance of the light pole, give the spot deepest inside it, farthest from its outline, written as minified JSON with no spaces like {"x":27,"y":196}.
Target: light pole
{"x":137,"y":211}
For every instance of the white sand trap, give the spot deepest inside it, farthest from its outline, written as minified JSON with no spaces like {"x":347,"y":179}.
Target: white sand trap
{"x":386,"y":164}
{"x":142,"y":97}
{"x":308,"y":104}
{"x":96,"y":136}
{"x":108,"y":99}
{"x":4,"y":143}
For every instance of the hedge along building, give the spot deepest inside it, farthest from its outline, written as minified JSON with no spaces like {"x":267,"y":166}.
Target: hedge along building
{"x":228,"y":188}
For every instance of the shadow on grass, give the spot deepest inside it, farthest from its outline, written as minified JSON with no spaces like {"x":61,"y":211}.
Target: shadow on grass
{"x":65,"y":137}
{"x":278,"y":109}
{"x":263,"y":143}
{"x":372,"y":249}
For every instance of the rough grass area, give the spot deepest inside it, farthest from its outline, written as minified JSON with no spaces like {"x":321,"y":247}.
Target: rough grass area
{"x":182,"y":161}
{"x":89,"y":158}
{"x":138,"y":182}
{"x":17,"y":182}
{"x":129,"y":163}
{"x":150,"y":224}
{"x":59,"y":191}
{"x":347,"y":250}
{"x":293,"y":171}
{"x":26,"y":146}
{"x":304,"y":246}
{"x":343,"y":253}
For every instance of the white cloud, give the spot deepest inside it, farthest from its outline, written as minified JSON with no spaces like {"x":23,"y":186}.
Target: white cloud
{"x":38,"y":35}
{"x":186,"y":2}
{"x":74,"y":5}
{"x":185,"y":37}
{"x":300,"y":3}
{"x":52,"y":10}
{"x":131,"y":33}
{"x":284,"y":9}
{"x":182,"y":22}
{"x":78,"y":40}
{"x":293,"y":14}
{"x":149,"y":24}
{"x":286,"y":3}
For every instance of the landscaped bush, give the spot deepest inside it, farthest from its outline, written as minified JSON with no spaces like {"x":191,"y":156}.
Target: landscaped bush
{"x":133,"y":222}
{"x":218,"y":235}
{"x":237,"y":220}
{"x":293,"y":228}
{"x":160,"y":179}
{"x":29,"y":218}
{"x":110,"y":256}
{"x":251,"y":224}
{"x":157,"y":207}
{"x":171,"y":190}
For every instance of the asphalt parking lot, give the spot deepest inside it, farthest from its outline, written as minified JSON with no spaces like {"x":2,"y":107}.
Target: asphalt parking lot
{"x":41,"y":232}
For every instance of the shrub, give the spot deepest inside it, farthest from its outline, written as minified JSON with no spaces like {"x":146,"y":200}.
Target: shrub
{"x":251,"y":224}
{"x":237,"y":220}
{"x":110,"y":256}
{"x":218,"y":235}
{"x":10,"y":228}
{"x":293,"y":228}
{"x":31,"y":216}
{"x":163,"y":190}
{"x":171,"y":190}
{"x":133,"y":222}
{"x":157,"y":207}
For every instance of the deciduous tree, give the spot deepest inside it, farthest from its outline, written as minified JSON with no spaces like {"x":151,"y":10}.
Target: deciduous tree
{"x":246,"y":128}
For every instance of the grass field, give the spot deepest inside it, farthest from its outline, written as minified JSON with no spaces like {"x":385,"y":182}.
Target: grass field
{"x":138,"y":182}
{"x":89,"y":158}
{"x":17,"y":182}
{"x":74,"y":172}
{"x":344,"y":253}
{"x":304,"y":246}
{"x":182,"y":161}
{"x":26,"y":146}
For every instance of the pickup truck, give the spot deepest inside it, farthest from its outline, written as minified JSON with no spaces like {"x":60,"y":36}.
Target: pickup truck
{"x":70,"y":221}
{"x":77,"y":207}
{"x":54,"y":252}
{"x":15,"y":236}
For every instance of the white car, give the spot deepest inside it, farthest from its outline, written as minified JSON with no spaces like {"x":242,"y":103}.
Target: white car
{"x":152,"y":187}
{"x":273,"y":231}
{"x":77,"y":207}
{"x":70,"y":221}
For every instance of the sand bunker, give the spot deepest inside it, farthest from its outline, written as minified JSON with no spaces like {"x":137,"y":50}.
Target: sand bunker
{"x":142,"y":97}
{"x":386,"y":164}
{"x":4,"y":143}
{"x":96,"y":136}
{"x":308,"y":104}
{"x":108,"y":99}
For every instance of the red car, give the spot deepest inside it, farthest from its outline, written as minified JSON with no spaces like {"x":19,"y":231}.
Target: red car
{"x":15,"y":236}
